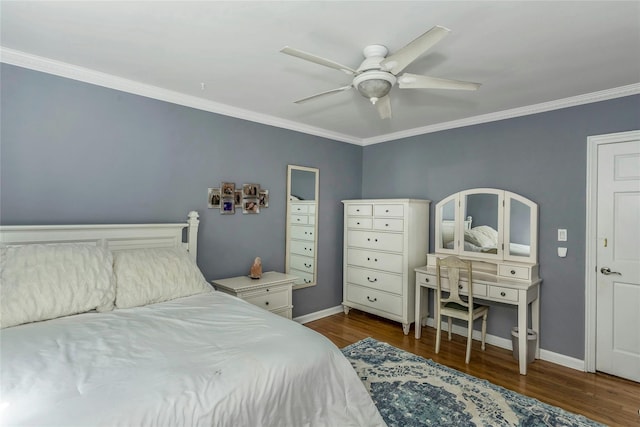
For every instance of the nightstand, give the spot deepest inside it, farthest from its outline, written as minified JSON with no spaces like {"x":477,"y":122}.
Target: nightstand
{"x":271,"y":292}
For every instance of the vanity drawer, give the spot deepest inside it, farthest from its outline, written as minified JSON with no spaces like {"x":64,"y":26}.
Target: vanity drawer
{"x":378,"y":260}
{"x":302,"y":263}
{"x":389,"y":210}
{"x":303,"y":277}
{"x":506,"y":294}
{"x":373,"y":240}
{"x":375,"y":279}
{"x":270,"y":300}
{"x":388,"y":224}
{"x":479,"y":289}
{"x":516,"y":271}
{"x":426,"y":279}
{"x":360,"y":210}
{"x":374,"y":299}
{"x":300,"y":219}
{"x":301,"y":232}
{"x":299,"y":208}
{"x":302,"y":248}
{"x":359,"y":223}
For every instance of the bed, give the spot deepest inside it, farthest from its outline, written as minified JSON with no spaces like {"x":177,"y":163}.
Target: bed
{"x":481,"y":238}
{"x":160,"y":347}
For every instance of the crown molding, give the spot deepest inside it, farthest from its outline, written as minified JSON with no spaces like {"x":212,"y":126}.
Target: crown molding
{"x":62,"y":69}
{"x":603,"y":95}
{"x":86,"y":75}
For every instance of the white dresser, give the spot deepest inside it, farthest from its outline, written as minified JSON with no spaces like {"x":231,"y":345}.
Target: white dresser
{"x":302,"y":241}
{"x":384,"y":240}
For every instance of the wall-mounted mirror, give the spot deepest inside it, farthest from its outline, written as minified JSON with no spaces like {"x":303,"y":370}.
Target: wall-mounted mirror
{"x":302,"y":225}
{"x":487,"y":223}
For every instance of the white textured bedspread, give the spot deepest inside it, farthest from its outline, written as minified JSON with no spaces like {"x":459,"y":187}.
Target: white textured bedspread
{"x":208,"y":359}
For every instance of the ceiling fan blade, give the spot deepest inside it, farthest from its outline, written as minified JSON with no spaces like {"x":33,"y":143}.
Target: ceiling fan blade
{"x":405,"y":56}
{"x":414,"y":81}
{"x":384,"y":107}
{"x":318,"y":60}
{"x":319,"y":95}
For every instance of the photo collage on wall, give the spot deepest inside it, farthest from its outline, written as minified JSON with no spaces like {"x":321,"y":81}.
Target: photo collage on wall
{"x":250,"y":198}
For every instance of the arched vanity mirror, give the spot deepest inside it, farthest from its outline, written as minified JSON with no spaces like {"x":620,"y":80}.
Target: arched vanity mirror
{"x":487,"y":223}
{"x":302,"y":226}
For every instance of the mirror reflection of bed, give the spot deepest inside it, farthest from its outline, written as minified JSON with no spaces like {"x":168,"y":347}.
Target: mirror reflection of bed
{"x":496,"y":224}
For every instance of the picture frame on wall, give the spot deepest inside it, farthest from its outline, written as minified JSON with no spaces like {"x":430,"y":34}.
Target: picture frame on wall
{"x":228,"y":206}
{"x":250,"y":205}
{"x":228,"y":189}
{"x":263,"y":198}
{"x":238,"y":197}
{"x":250,"y":190}
{"x":213,"y":198}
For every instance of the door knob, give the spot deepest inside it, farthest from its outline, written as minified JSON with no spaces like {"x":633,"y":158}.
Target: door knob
{"x":607,"y":271}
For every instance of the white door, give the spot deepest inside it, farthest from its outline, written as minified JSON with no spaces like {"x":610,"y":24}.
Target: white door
{"x":618,"y":260}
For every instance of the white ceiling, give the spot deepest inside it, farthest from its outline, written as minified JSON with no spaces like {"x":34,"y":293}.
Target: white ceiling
{"x":529,"y":56}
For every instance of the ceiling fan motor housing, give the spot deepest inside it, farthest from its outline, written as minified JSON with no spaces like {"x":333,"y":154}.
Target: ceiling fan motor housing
{"x":372,"y":83}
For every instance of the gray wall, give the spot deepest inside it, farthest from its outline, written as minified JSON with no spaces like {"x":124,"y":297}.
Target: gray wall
{"x":542,"y":157}
{"x":76,"y":153}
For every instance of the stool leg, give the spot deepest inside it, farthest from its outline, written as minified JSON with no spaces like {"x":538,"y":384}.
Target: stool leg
{"x":469,"y":339}
{"x":484,"y":329}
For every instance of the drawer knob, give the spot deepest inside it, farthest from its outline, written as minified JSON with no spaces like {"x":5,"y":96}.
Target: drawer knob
{"x":307,"y":281}
{"x":459,"y":286}
{"x":357,"y":223}
{"x":513,"y":272}
{"x":375,"y":240}
{"x":386,"y":225}
{"x":386,"y":210}
{"x":357,"y":210}
{"x":503,"y":294}
{"x":307,"y":265}
{"x":372,"y":281}
{"x":426,"y":280}
{"x":371,"y":300}
{"x":266,"y":303}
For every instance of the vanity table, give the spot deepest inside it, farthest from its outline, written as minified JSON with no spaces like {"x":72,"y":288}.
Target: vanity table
{"x":498,"y":231}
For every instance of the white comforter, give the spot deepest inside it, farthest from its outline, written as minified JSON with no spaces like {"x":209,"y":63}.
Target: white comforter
{"x":208,"y":359}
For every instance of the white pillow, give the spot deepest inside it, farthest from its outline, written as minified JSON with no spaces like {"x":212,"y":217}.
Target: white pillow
{"x":146,"y":276}
{"x":482,"y":236}
{"x":40,"y":282}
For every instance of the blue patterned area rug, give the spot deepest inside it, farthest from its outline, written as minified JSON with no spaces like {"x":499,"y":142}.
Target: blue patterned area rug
{"x":412,"y":391}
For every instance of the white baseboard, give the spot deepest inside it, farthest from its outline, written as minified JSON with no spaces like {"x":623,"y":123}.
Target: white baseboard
{"x":318,"y":314}
{"x":549,"y":356}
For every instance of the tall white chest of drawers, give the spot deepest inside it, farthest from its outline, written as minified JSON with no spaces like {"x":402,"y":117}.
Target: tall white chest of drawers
{"x":384,"y":240}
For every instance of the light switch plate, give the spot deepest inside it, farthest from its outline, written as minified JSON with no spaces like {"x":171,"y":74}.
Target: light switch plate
{"x":562,"y":234}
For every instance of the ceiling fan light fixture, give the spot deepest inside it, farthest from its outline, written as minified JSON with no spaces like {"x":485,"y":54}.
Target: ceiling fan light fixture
{"x":373,"y":85}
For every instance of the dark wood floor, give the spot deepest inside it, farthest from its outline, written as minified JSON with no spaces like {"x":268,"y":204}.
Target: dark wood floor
{"x":604,"y":398}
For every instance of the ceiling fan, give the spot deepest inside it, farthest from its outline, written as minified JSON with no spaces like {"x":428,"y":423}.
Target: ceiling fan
{"x":377,"y":74}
